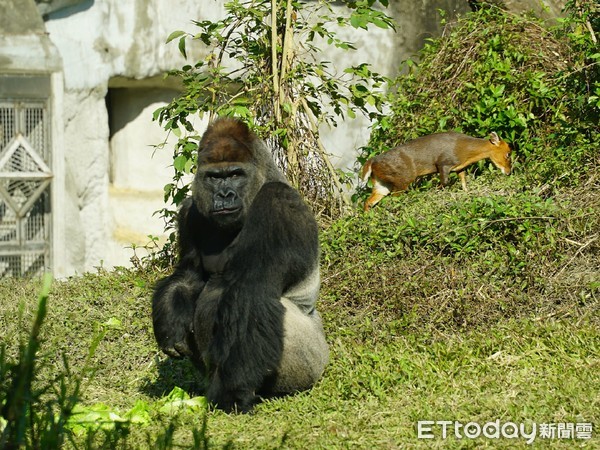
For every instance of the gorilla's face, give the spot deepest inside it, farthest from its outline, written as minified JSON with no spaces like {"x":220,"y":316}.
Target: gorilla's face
{"x":223,"y":193}
{"x":226,"y":183}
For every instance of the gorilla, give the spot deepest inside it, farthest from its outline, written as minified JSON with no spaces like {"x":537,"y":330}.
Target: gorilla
{"x":241,"y":300}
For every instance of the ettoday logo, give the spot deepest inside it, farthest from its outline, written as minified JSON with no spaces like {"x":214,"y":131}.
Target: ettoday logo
{"x":431,"y":429}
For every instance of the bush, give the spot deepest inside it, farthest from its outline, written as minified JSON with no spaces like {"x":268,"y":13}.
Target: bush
{"x":537,"y":87}
{"x":451,"y":260}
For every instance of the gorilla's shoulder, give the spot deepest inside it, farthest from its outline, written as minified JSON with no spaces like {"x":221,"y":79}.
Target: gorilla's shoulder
{"x":188,"y":211}
{"x":276,"y":187}
{"x":278,"y":193}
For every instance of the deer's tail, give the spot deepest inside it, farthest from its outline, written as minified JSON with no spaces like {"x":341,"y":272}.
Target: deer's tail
{"x":366,"y":171}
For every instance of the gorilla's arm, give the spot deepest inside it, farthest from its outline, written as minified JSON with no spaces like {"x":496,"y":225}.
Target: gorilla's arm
{"x":175,"y":296}
{"x":276,"y":249}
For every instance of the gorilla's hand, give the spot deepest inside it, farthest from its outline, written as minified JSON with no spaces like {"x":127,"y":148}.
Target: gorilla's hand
{"x":179,"y":349}
{"x":173,"y":338}
{"x":173,"y":308}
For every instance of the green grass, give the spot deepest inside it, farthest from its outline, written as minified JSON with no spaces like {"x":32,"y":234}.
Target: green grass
{"x":422,"y":326}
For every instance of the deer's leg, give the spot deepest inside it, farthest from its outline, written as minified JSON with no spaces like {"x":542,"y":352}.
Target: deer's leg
{"x":463,"y":179}
{"x":444,"y":172}
{"x":379,"y":191}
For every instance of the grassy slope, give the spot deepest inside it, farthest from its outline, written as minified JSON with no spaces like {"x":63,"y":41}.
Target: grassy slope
{"x":417,"y":330}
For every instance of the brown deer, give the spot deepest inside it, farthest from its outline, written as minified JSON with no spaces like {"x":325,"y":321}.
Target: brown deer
{"x":392,"y":171}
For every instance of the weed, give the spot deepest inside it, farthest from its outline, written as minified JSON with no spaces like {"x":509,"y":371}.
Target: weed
{"x":29,"y":418}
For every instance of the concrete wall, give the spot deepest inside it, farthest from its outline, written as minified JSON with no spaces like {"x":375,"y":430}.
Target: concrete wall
{"x":100,"y":41}
{"x":138,"y":170}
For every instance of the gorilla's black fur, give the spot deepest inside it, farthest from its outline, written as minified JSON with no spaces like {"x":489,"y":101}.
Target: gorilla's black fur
{"x":241,"y":302}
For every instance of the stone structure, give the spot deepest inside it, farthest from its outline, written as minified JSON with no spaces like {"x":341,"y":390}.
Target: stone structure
{"x":106,"y":59}
{"x":114,"y":57}
{"x":31,"y":145}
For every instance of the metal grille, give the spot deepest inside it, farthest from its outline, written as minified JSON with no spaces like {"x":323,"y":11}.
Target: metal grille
{"x":25,"y":178}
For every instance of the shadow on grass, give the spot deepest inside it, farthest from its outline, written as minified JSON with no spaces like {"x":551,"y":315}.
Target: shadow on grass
{"x":174,"y":373}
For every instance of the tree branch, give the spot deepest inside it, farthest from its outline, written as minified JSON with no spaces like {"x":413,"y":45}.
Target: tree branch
{"x":323,"y":152}
{"x":274,"y":69}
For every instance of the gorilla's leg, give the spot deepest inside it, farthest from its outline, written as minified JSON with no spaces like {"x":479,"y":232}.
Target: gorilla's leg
{"x":305,"y":351}
{"x":236,"y":385}
{"x":173,"y":306}
{"x":203,"y":324}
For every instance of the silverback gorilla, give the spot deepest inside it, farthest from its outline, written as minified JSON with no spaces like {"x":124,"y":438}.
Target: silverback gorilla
{"x":241,"y":301}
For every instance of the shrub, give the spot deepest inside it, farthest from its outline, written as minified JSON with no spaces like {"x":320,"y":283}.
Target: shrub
{"x":264,"y":66}
{"x":537,"y":87}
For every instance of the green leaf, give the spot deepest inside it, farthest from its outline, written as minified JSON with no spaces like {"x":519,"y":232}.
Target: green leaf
{"x":98,"y":416}
{"x":179,"y":399}
{"x":380,"y":23}
{"x":175,"y":35}
{"x":156,"y":114}
{"x":113,"y":323}
{"x":188,"y":166}
{"x":182,"y":47}
{"x":140,"y":413}
{"x":179,"y":163}
{"x":358,"y":21}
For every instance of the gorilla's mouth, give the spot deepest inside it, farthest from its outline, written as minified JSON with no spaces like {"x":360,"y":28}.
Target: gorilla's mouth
{"x":225,"y":211}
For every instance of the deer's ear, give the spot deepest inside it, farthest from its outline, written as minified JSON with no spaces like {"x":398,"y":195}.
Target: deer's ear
{"x":494,"y":139}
